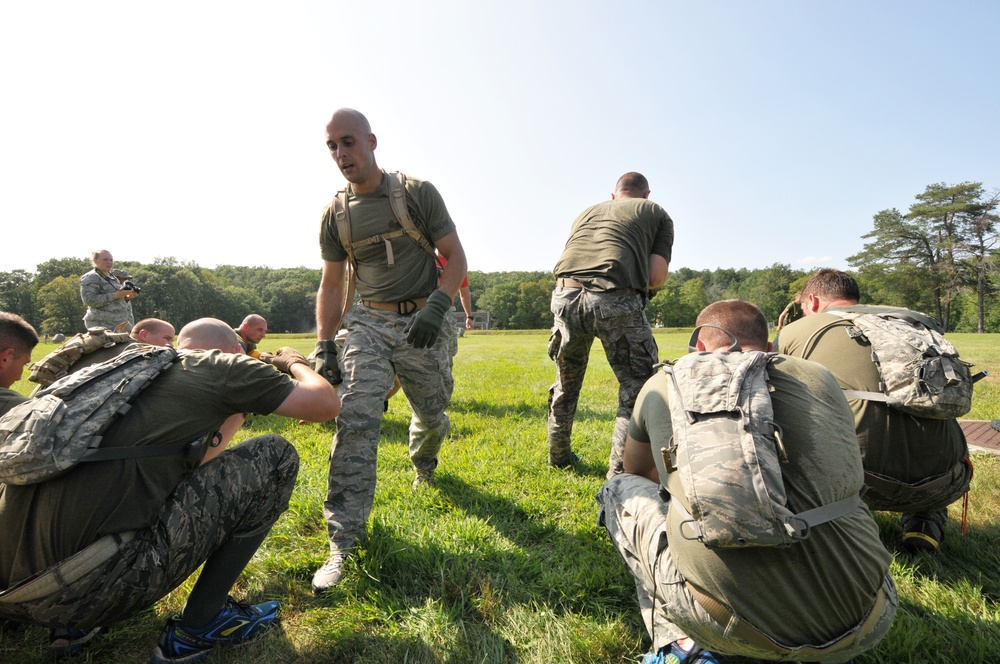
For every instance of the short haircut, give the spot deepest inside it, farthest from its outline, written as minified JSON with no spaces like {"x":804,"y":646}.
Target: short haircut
{"x":744,"y":320}
{"x":150,"y":324}
{"x":16,"y":333}
{"x":830,"y":284}
{"x":633,"y":183}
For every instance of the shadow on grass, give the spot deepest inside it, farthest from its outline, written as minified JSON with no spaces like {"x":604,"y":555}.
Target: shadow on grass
{"x":976,"y":550}
{"x":921,"y":634}
{"x":533,"y":410}
{"x":528,"y":566}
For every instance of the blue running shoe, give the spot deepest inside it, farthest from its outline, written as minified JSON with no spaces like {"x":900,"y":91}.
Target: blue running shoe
{"x":673,"y":654}
{"x":235,"y":623}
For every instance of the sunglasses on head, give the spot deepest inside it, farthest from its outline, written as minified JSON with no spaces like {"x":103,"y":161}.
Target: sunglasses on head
{"x":734,"y":347}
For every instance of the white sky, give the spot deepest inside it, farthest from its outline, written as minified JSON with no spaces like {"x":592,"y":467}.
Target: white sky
{"x":771,"y":131}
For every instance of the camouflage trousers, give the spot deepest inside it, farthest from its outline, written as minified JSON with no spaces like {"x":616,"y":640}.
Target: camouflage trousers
{"x":635,"y":517}
{"x":928,"y":499}
{"x":375,"y":352}
{"x":241,"y":493}
{"x":618,"y":320}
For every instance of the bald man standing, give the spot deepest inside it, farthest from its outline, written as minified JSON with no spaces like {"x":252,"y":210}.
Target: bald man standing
{"x":395,"y":329}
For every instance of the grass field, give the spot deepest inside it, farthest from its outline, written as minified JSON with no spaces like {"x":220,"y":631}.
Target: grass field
{"x":501,"y":561}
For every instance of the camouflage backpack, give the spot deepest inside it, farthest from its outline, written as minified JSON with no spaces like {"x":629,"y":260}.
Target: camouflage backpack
{"x":726,"y":454}
{"x":57,"y":364}
{"x":919,"y":370}
{"x":63,"y":424}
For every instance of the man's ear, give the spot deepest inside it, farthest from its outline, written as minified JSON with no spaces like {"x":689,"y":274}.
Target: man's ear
{"x":812,"y":305}
{"x":373,"y":141}
{"x":6,"y":355}
{"x":770,"y":347}
{"x":700,"y":345}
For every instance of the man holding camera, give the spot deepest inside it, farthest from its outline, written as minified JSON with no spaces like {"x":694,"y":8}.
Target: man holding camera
{"x":107,"y":296}
{"x":395,"y":329}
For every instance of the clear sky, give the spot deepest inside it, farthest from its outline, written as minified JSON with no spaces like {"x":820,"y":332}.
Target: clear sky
{"x":770,"y":131}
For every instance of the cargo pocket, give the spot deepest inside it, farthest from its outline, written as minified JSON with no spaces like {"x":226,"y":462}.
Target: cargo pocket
{"x":628,"y":308}
{"x":555,"y":341}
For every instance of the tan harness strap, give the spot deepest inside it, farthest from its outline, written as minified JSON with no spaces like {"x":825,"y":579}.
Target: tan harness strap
{"x":342,"y":219}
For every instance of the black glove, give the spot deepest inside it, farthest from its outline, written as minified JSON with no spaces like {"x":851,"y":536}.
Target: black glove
{"x":283,"y":359}
{"x":324,"y":361}
{"x":425,"y":327}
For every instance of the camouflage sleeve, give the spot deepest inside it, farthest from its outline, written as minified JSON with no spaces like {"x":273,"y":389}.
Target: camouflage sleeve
{"x":94,"y":290}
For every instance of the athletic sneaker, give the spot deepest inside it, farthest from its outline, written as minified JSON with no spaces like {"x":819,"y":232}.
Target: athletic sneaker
{"x":921,"y":534}
{"x":330,"y":574}
{"x":70,"y":641}
{"x":673,"y":654}
{"x":235,"y":623}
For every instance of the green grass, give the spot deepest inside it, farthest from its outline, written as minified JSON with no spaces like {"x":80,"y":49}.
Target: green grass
{"x":501,"y":560}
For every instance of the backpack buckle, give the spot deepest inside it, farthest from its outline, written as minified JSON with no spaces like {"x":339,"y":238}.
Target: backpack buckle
{"x":406,"y":307}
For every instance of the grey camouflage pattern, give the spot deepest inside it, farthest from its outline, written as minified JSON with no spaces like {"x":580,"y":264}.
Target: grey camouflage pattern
{"x":241,"y":493}
{"x":50,"y":433}
{"x":618,"y":320}
{"x":912,"y":500}
{"x":920,"y":369}
{"x":726,"y":452}
{"x":635,"y":518}
{"x":103,"y":308}
{"x":374,"y":352}
{"x":57,"y":364}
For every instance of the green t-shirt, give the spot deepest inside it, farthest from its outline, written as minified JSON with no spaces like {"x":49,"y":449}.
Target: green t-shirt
{"x":813,"y":590}
{"x":248,"y":346}
{"x":45,"y":523}
{"x":893,"y":444}
{"x":610,"y":243}
{"x":9,"y":398}
{"x":414,"y":274}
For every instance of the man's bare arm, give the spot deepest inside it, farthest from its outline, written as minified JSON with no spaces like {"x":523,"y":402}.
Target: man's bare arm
{"x":638,"y":459}
{"x":454,"y":272}
{"x":330,"y":299}
{"x":659,"y":268}
{"x":313,"y":399}
{"x":225,"y":435}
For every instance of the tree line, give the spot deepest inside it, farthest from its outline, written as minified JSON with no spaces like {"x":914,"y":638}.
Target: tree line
{"x":941,"y":257}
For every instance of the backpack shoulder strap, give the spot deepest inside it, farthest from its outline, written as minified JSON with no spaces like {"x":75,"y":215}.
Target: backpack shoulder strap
{"x":342,"y":219}
{"x":397,"y":201}
{"x":397,"y":198}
